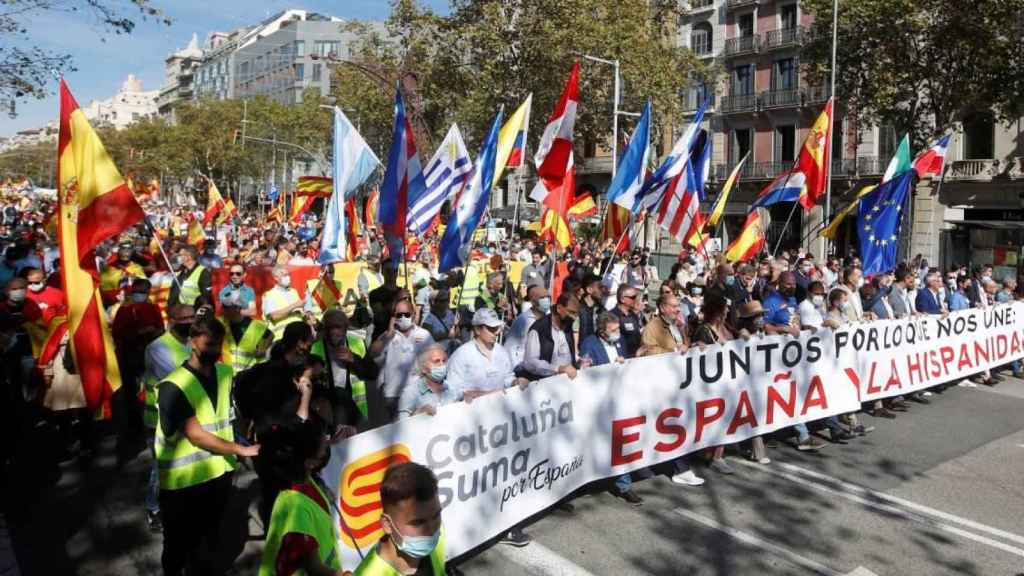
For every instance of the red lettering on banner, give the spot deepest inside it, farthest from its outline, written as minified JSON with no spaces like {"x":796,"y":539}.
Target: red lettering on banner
{"x":1015,"y":348}
{"x":936,"y":367}
{"x":981,"y":350}
{"x":965,"y":358}
{"x":703,"y":418}
{"x":914,"y":367}
{"x":744,"y":415}
{"x":620,"y":439}
{"x":663,"y":426}
{"x":872,"y":389}
{"x":775,"y":399}
{"x":854,"y":379}
{"x":815,"y":396}
{"x":894,"y":377}
{"x":1001,"y":346}
{"x":946,"y":352}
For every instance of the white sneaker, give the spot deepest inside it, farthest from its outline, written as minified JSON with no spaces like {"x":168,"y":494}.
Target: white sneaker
{"x":967,"y":384}
{"x":687,"y":478}
{"x":765,"y":460}
{"x":927,"y":393}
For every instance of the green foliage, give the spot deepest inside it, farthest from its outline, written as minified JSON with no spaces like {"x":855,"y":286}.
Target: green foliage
{"x":921,"y":65}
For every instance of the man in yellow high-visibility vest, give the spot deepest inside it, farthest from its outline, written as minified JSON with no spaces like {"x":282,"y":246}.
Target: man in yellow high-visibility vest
{"x":195,"y":450}
{"x":195,"y":282}
{"x":281,"y":304}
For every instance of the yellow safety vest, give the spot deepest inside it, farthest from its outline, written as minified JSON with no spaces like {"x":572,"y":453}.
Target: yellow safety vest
{"x":472,"y":284}
{"x":358,"y":347}
{"x":179,"y":353}
{"x":374,"y":565}
{"x":243,"y":354}
{"x":373,"y":280}
{"x":190,"y":287}
{"x":296,"y":513}
{"x":182,"y":464}
{"x":274,"y":299}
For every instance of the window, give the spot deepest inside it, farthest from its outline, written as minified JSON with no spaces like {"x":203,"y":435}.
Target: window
{"x":743,"y":80}
{"x":886,"y":143}
{"x":259,"y":63}
{"x":837,"y":138}
{"x":316,"y":72}
{"x":787,"y":17}
{"x":745,"y":25}
{"x":326,"y":47}
{"x":784,"y":75}
{"x":243,"y":69}
{"x":979,"y":138}
{"x":300,"y":71}
{"x":300,"y":48}
{"x":785,"y":143}
{"x":701,"y":39}
{"x":742,"y":140}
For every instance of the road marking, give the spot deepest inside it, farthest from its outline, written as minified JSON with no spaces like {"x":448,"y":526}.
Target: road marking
{"x":895,"y":506}
{"x":539,"y":560}
{"x":758,"y":542}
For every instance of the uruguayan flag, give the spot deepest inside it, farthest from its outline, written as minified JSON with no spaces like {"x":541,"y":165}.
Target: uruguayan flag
{"x":445,"y":175}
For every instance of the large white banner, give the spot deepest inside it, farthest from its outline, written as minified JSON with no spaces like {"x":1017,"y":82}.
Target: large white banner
{"x":505,"y":457}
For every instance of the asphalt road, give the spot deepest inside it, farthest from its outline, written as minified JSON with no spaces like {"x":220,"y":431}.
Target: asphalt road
{"x":939,"y":490}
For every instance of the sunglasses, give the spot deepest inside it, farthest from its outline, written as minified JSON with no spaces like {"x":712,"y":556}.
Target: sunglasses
{"x":238,"y":273}
{"x":403,"y":315}
{"x":492,"y":329}
{"x":629,"y":296}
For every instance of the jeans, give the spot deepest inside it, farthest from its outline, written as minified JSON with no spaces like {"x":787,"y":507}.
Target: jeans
{"x":192,"y":518}
{"x":802,"y":433}
{"x":624,"y":483}
{"x":153,"y":486}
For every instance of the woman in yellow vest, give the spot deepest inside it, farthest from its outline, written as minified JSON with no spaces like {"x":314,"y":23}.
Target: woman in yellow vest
{"x":301,"y":538}
{"x":413,"y":541}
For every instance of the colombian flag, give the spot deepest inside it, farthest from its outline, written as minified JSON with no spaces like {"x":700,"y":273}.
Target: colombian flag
{"x":95,"y":205}
{"x":751,"y":238}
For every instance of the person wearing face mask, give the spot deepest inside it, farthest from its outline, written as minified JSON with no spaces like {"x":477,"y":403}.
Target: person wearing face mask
{"x":281,"y":304}
{"x":427,"y":390}
{"x":195,"y":450}
{"x":440,"y":320}
{"x":301,"y":535}
{"x":516,"y":337}
{"x":118,"y":272}
{"x":803,"y":273}
{"x":780,"y":307}
{"x":50,"y":300}
{"x":853,"y":280}
{"x":396,"y":351}
{"x":351,"y":373}
{"x":550,"y":343}
{"x":194,"y":280}
{"x":813,"y":310}
{"x":136,"y":325}
{"x":413,"y":541}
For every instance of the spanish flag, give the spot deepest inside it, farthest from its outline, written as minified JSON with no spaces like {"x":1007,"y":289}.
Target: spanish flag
{"x":326,"y":294}
{"x":314,"y":186}
{"x":299,"y":207}
{"x":95,"y":205}
{"x":214,"y":203}
{"x":751,"y":239}
{"x":352,"y":230}
{"x":555,"y":228}
{"x":229,"y":212}
{"x":583,"y":206}
{"x":196,"y":235}
{"x":616,"y":220}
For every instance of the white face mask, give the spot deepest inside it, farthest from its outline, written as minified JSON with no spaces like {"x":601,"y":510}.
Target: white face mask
{"x":36,"y":286}
{"x":284,"y":281}
{"x":613,"y":337}
{"x":16,"y":295}
{"x":818,"y":300}
{"x":403,"y":323}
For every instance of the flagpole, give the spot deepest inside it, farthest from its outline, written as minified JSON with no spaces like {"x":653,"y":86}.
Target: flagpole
{"x":831,"y":126}
{"x":160,"y":245}
{"x":782,"y":234}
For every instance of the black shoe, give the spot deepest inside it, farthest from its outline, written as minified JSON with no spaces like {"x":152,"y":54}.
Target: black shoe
{"x":898,"y":407}
{"x":919,"y":399}
{"x":882,"y":413}
{"x":998,"y":377}
{"x":771,"y":443}
{"x":840,"y":436}
{"x":156,"y":525}
{"x":516,"y":537}
{"x":631,"y":497}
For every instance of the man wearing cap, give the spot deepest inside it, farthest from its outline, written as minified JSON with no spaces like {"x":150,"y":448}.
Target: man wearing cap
{"x":281,"y":304}
{"x":244,"y":294}
{"x":119,"y":272}
{"x":480,"y":367}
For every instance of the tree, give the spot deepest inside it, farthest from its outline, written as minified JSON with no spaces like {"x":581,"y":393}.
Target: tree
{"x":922,"y":65}
{"x":25,"y":69}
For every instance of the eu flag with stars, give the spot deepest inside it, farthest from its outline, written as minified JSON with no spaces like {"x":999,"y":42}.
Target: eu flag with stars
{"x":878,"y":223}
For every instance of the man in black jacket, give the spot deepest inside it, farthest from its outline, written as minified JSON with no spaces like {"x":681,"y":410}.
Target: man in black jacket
{"x":550,"y":346}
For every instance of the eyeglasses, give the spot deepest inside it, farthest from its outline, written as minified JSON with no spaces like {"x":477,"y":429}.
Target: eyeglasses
{"x":492,"y":329}
{"x":403,"y":315}
{"x":233,"y":273}
{"x":629,"y":296}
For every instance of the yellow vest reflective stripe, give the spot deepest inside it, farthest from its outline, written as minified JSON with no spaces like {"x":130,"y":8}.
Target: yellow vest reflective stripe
{"x":276,"y":299}
{"x":358,"y":347}
{"x":374,"y":565}
{"x":190,"y":287}
{"x":243,"y":354}
{"x":472,"y":284}
{"x":180,"y":463}
{"x":179,"y":353}
{"x":296,"y":513}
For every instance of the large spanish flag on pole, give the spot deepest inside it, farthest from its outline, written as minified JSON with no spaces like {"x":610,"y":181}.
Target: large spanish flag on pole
{"x":95,"y":204}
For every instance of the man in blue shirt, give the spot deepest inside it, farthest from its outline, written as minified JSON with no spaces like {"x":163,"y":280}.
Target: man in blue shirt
{"x":779,"y":307}
{"x":927,"y":301}
{"x":236,"y":284}
{"x":959,"y":300}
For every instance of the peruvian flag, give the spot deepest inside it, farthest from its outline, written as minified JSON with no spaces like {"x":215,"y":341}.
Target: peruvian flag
{"x":554,"y":158}
{"x":931,"y":161}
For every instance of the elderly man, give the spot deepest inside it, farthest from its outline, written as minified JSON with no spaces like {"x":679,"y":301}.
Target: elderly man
{"x":550,"y":344}
{"x":395,"y":351}
{"x":493,"y":297}
{"x":281,"y":304}
{"x":427,"y":390}
{"x":631,"y":323}
{"x":663,"y":334}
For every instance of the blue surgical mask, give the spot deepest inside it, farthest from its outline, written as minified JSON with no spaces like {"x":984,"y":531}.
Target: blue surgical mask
{"x":544,"y":305}
{"x":730,"y":280}
{"x":415,"y":546}
{"x":437,"y":373}
{"x":613,"y":337}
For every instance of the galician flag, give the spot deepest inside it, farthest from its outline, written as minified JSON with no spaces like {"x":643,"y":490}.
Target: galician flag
{"x":95,"y":205}
{"x":354,"y":163}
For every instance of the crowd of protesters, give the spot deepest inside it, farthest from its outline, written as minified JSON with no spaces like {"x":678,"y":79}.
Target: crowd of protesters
{"x":210,"y":379}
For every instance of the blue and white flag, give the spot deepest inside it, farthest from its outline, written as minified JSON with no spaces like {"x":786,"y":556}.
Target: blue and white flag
{"x":654,"y":187}
{"x":445,"y":175}
{"x":702,"y":163}
{"x":354,"y":163}
{"x":470,"y":208}
{"x":629,"y":175}
{"x":273,"y":194}
{"x":403,"y":178}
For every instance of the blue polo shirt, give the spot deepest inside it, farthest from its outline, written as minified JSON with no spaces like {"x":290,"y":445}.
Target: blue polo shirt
{"x":778,"y":309}
{"x":246,"y":294}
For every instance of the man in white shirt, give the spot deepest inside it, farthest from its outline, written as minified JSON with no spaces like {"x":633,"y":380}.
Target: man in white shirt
{"x":482,"y":365}
{"x":550,"y":345}
{"x":515,"y":340}
{"x":812,"y":310}
{"x":396,"y":351}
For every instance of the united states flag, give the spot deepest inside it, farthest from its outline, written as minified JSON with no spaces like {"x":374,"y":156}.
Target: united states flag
{"x":445,"y":175}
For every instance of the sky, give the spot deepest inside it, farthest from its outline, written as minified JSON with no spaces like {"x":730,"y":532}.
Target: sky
{"x":105,"y":60}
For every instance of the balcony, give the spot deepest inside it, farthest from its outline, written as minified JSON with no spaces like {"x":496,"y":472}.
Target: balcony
{"x":742,"y":45}
{"x":974,"y":170}
{"x":871,"y":166}
{"x":816,"y":95}
{"x":780,"y":99}
{"x":701,"y":5}
{"x":692,"y":101}
{"x":738,"y":104}
{"x":731,"y":4}
{"x":784,"y":38}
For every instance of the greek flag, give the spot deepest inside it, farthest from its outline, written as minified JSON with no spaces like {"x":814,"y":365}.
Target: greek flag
{"x":445,"y":175}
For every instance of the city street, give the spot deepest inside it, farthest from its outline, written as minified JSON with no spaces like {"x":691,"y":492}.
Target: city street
{"x":936,"y":491}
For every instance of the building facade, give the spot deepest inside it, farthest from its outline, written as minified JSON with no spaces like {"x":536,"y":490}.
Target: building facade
{"x":179,"y":76}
